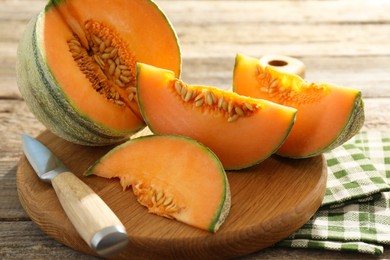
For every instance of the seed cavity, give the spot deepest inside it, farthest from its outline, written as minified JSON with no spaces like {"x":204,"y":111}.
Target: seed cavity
{"x":232,"y":108}
{"x":156,"y":200}
{"x":107,"y":62}
{"x":292,"y":91}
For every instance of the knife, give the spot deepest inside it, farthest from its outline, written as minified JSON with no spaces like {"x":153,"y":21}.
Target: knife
{"x":98,"y":226}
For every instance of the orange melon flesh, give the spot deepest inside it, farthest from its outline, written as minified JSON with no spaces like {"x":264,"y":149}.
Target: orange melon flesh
{"x":179,"y":167}
{"x":239,"y":144}
{"x":147,"y":34}
{"x":327,"y":115}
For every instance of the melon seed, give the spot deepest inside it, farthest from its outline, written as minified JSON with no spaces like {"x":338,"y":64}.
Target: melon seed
{"x":126,"y":72}
{"x":213,"y":97}
{"x":96,"y":39}
{"x":117,"y":72}
{"x":111,"y":69}
{"x":119,"y":102}
{"x":153,"y":197}
{"x":262,"y":76}
{"x":224,"y":105}
{"x":75,"y":42}
{"x":178,"y":87}
{"x":119,"y":83}
{"x":105,"y":56}
{"x":124,"y":79}
{"x":168,"y":201}
{"x":74,"y":48}
{"x":131,"y":89}
{"x":108,"y":49}
{"x":274,"y":83}
{"x":209,"y":99}
{"x":102,"y":47}
{"x":220,"y":101}
{"x":188,"y":95}
{"x":248,"y":106}
{"x":113,"y":53}
{"x":159,"y":202}
{"x":171,"y":208}
{"x":264,"y":89}
{"x":239,"y":111}
{"x":230,"y":106}
{"x":183,"y":90}
{"x":199,"y":96}
{"x":232,"y":118}
{"x":131,"y":96}
{"x":199,"y":103}
{"x":159,"y":195}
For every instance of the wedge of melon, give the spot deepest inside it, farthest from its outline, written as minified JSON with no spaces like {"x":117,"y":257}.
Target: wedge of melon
{"x":76,"y":65}
{"x":328,"y":115}
{"x":173,"y":176}
{"x":241,"y":131}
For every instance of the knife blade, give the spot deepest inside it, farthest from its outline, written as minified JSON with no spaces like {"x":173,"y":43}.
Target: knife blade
{"x":96,"y":223}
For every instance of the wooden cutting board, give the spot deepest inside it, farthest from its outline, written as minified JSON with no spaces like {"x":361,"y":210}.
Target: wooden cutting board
{"x":269,"y":202}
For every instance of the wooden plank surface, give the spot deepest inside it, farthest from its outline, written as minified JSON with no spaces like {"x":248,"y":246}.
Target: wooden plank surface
{"x":300,"y":185}
{"x":344,"y":42}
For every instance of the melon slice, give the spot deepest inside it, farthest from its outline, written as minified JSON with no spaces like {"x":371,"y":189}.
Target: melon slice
{"x":76,"y":65}
{"x":241,"y":131}
{"x":173,"y":176}
{"x":328,"y":115}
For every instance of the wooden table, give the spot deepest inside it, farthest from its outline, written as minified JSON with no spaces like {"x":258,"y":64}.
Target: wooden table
{"x":344,"y":42}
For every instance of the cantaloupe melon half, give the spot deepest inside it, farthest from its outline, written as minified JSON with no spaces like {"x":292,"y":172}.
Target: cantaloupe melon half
{"x":76,"y":65}
{"x":327,"y":116}
{"x":173,"y":176}
{"x":241,"y":131}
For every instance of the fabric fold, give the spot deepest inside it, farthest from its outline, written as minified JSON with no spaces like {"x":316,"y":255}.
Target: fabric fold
{"x":355,"y":212}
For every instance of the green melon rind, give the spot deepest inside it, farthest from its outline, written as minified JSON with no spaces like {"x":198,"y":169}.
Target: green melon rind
{"x":353,"y":125}
{"x":224,"y":207}
{"x":46,"y":99}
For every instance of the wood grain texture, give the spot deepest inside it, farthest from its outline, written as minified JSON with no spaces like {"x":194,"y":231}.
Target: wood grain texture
{"x":269,"y":202}
{"x":343,"y":42}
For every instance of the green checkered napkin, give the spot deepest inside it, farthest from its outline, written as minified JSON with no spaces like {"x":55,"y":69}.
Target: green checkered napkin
{"x":355,"y":212}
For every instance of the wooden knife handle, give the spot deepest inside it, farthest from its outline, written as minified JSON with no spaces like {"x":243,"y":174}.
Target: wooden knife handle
{"x":99,"y":227}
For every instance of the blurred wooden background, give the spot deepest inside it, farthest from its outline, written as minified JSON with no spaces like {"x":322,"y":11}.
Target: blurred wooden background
{"x":343,"y":42}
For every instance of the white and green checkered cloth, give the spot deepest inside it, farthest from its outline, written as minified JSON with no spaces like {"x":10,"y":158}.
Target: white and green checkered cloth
{"x":355,"y":212}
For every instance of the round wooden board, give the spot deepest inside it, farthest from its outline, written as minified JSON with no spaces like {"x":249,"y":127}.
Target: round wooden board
{"x":269,"y":202}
